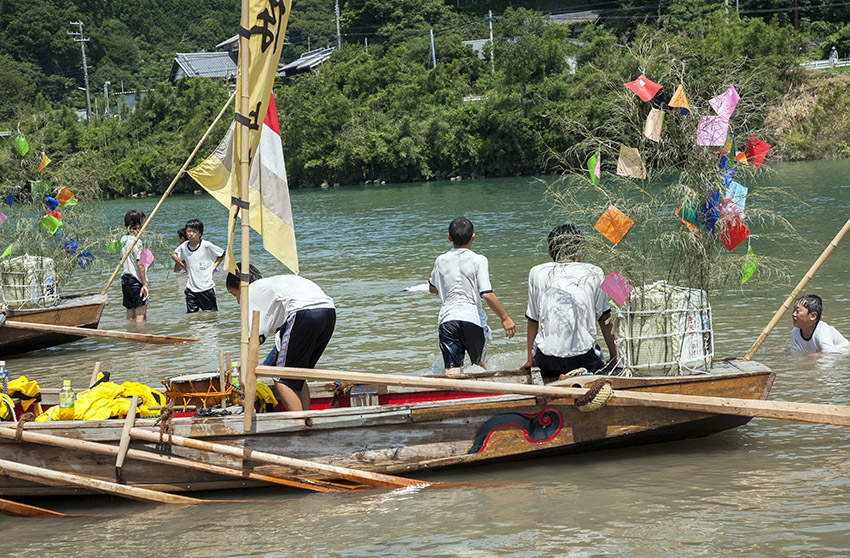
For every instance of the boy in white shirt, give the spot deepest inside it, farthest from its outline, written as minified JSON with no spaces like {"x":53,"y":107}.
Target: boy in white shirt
{"x":200,"y":259}
{"x":810,"y":333}
{"x":134,"y":281}
{"x":302,"y":319}
{"x":462,"y":279}
{"x":565,"y":303}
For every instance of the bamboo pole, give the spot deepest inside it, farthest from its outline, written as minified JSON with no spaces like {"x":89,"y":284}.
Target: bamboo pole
{"x":790,"y":300}
{"x":346,"y":473}
{"x":31,"y":437}
{"x":94,"y":374}
{"x":168,"y":190}
{"x":104,"y":333}
{"x":803,"y":412}
{"x":29,"y":472}
{"x":244,"y":194}
{"x":249,"y":379}
{"x":222,"y":382}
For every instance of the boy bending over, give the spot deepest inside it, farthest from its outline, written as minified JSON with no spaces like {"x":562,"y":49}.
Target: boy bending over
{"x":810,"y":334}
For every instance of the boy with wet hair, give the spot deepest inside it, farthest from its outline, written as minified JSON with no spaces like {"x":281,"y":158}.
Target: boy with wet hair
{"x":302,"y":318}
{"x":810,"y":333}
{"x":565,"y":303}
{"x":462,"y":279}
{"x":134,"y":280}
{"x":200,"y":259}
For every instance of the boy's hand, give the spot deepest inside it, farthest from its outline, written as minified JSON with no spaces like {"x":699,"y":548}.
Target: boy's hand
{"x":510,"y":327}
{"x":144,"y":292}
{"x":526,"y":366}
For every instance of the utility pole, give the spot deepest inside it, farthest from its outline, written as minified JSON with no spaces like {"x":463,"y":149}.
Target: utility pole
{"x":433,"y":52}
{"x":492,"y":49}
{"x":338,"y":35}
{"x":82,"y":42}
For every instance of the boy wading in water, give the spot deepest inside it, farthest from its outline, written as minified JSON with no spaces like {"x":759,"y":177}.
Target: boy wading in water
{"x":810,"y":334}
{"x":462,"y":279}
{"x":199,"y":258}
{"x":134,"y":280}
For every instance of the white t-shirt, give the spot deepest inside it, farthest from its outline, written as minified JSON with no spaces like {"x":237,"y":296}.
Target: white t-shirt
{"x":825,"y":339}
{"x":566,"y":301}
{"x":200,"y":264}
{"x":131,"y":264}
{"x":279,"y":296}
{"x":461,"y":276}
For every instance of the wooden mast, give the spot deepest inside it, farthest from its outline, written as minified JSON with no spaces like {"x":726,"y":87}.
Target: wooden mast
{"x":244,"y":174}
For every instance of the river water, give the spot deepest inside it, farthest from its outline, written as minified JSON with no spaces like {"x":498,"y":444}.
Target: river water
{"x":769,"y":488}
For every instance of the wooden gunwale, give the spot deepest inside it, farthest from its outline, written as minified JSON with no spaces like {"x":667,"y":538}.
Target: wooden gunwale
{"x":402,"y":438}
{"x":77,"y":310}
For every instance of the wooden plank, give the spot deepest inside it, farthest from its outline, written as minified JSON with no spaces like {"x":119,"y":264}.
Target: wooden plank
{"x":88,"y":332}
{"x":372,"y":479}
{"x":8,"y":507}
{"x":803,"y":412}
{"x":30,"y":472}
{"x":106,"y":449}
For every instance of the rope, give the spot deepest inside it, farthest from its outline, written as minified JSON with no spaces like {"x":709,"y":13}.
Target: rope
{"x":597,"y":395}
{"x":166,"y":427}
{"x":19,"y":431}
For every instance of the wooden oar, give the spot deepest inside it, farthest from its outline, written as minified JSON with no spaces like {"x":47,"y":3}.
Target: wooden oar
{"x":113,"y":451}
{"x":804,"y":412}
{"x":8,"y":507}
{"x":346,"y":473}
{"x":88,"y":332}
{"x":49,"y":476}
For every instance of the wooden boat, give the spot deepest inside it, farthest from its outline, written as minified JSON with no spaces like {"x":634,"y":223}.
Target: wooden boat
{"x":78,"y":310}
{"x":398,"y":430}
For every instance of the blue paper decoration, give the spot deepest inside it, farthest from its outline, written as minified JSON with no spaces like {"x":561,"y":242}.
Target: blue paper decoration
{"x":50,"y":203}
{"x":10,"y":199}
{"x":708,"y":212}
{"x":71,"y":246}
{"x":85,"y":259}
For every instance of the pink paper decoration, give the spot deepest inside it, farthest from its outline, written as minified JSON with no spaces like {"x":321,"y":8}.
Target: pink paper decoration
{"x":616,"y":286}
{"x":643,"y":87}
{"x":2,"y":218}
{"x":724,"y":104}
{"x":712,"y":130}
{"x":146,"y":258}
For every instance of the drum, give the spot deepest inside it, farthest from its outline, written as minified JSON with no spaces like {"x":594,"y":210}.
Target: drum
{"x":196,"y":390}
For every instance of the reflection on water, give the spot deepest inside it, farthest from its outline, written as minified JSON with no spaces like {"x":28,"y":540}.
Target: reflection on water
{"x":770,"y":488}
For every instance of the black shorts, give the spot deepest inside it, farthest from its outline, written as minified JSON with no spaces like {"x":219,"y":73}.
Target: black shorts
{"x":304,"y":336}
{"x":552,"y":367}
{"x":204,"y":300}
{"x":131,"y":288}
{"x":457,"y":337}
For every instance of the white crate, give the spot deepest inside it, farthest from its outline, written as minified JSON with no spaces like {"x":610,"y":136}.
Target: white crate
{"x":665,"y":330}
{"x":28,"y":282}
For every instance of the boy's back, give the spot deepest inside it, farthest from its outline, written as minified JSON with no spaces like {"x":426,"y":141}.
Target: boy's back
{"x":460,"y":277}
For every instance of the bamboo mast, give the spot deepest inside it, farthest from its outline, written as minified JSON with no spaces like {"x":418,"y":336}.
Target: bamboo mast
{"x":244,"y":176}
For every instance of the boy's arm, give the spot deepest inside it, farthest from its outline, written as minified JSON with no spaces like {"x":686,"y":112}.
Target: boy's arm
{"x":143,"y":275}
{"x":432,"y":289}
{"x":606,"y":324}
{"x":218,"y":261}
{"x":177,"y":261}
{"x":494,"y":304}
{"x":530,"y":336}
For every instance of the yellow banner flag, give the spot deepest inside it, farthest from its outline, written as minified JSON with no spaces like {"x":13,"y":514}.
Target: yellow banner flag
{"x":266,"y":23}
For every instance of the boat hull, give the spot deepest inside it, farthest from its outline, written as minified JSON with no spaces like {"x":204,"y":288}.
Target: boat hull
{"x":417,"y":435}
{"x":77,"y":311}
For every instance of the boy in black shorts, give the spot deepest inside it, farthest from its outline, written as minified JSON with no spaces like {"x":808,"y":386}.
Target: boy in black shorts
{"x":134,"y":281}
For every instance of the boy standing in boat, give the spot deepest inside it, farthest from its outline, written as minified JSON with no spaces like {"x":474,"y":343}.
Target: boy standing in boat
{"x":200,"y":259}
{"x":302,"y":318}
{"x":134,"y":280}
{"x":462,"y":279}
{"x":810,"y":334}
{"x":565,"y":302}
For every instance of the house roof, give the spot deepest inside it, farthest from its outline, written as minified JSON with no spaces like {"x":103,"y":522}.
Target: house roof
{"x":221,"y":65}
{"x":575,"y":17}
{"x":306,"y":61}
